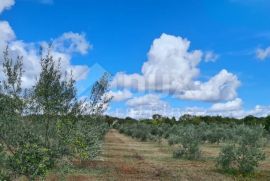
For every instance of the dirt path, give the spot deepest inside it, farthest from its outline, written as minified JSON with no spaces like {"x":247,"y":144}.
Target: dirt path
{"x":124,"y":158}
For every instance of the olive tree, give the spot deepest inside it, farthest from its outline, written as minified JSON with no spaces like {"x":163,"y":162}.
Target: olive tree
{"x":16,"y":139}
{"x":245,"y":152}
{"x":99,"y":98}
{"x":189,"y":141}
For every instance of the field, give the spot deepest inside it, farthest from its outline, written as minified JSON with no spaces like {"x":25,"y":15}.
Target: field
{"x":124,"y":158}
{"x":47,"y":133}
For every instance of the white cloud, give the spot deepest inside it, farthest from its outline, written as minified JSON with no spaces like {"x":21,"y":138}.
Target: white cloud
{"x":31,"y":61}
{"x":233,"y":105}
{"x":6,"y":4}
{"x":63,"y":48}
{"x":229,"y":109}
{"x":259,"y":111}
{"x":172,"y":68}
{"x":72,"y":43}
{"x":262,"y":54}
{"x":144,"y":106}
{"x":120,"y":95}
{"x":147,"y":111}
{"x":6,"y":32}
{"x":220,"y":87}
{"x":79,"y":72}
{"x":147,"y":102}
{"x":232,"y":109}
{"x":210,"y":56}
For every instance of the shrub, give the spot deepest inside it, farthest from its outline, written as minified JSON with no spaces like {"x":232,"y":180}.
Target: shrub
{"x":4,"y":176}
{"x":31,"y":158}
{"x":190,"y":144}
{"x":227,"y":157}
{"x":173,"y":139}
{"x":245,"y":153}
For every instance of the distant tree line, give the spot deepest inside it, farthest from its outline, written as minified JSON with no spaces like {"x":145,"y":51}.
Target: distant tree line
{"x":196,"y":120}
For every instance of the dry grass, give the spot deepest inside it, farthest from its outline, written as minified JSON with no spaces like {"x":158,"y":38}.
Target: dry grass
{"x":127,"y":159}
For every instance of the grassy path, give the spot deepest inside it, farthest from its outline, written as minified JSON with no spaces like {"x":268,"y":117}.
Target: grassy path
{"x":126,"y":159}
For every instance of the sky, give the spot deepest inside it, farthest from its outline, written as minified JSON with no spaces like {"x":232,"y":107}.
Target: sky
{"x":172,"y":57}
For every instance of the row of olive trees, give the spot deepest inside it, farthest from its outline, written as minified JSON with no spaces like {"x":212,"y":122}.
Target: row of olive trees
{"x":41,"y":125}
{"x":241,"y":148}
{"x":241,"y":151}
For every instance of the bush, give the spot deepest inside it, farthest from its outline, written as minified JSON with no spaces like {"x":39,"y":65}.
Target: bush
{"x":31,"y":159}
{"x":173,"y":139}
{"x":87,"y":142}
{"x":190,"y":144}
{"x":241,"y":159}
{"x":4,"y":176}
{"x":227,"y":157}
{"x":245,"y":153}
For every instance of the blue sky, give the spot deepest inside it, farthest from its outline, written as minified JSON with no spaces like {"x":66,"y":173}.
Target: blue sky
{"x":120,"y":34}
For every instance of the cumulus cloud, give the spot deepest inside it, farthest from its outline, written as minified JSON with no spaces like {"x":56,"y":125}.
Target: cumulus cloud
{"x":142,"y":107}
{"x":6,"y":4}
{"x":259,"y":111}
{"x":31,"y":60}
{"x":72,"y":43}
{"x":148,"y":101}
{"x":233,"y":105}
{"x":62,"y":49}
{"x":120,"y":95}
{"x":262,"y":54}
{"x":220,"y":87}
{"x":6,"y":32}
{"x":171,"y":67}
{"x":210,"y":56}
{"x":79,"y":72}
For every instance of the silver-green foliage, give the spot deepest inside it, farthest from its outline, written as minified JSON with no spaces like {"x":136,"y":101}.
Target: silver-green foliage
{"x":45,"y":125}
{"x":189,"y":144}
{"x":245,"y":151}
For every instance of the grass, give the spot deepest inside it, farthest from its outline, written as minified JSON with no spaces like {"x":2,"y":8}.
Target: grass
{"x":124,"y":158}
